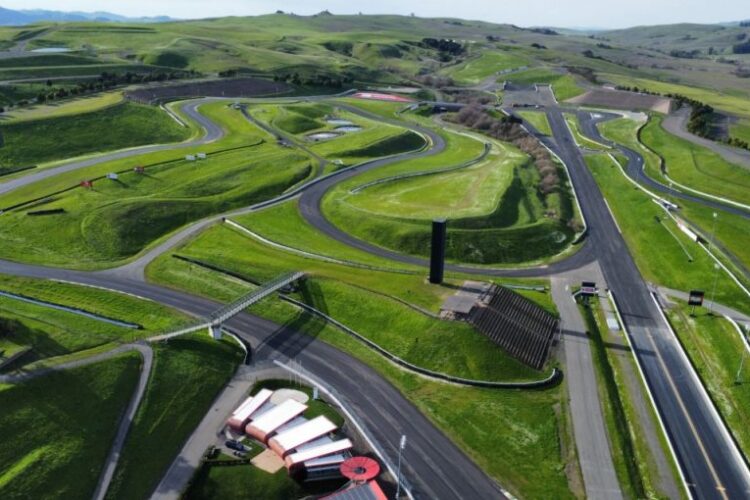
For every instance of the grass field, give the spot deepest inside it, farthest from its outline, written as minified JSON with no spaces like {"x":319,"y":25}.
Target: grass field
{"x":36,"y":61}
{"x":485,"y":65}
{"x":242,"y":482}
{"x":581,"y":140}
{"x":98,"y":227}
{"x":65,"y":107}
{"x":740,"y":129}
{"x":117,"y":219}
{"x":538,"y":120}
{"x":74,"y":71}
{"x":727,"y":101}
{"x":57,"y":429}
{"x":238,"y":132}
{"x":636,"y":213}
{"x":715,"y":349}
{"x":504,"y":235}
{"x":55,"y":333}
{"x":283,"y":224}
{"x":121,"y":126}
{"x":444,"y":346}
{"x":469,"y":192}
{"x":621,"y":439}
{"x":697,"y":167}
{"x":188,"y":373}
{"x":732,"y":231}
{"x":563,"y":85}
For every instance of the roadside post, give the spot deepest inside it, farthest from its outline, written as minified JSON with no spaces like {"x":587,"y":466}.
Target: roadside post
{"x":401,"y":446}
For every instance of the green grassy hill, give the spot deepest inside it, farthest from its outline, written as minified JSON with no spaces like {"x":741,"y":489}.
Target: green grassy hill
{"x":391,"y":49}
{"x":121,"y":126}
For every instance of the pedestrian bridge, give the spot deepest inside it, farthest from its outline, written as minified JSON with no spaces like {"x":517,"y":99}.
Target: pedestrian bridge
{"x":215,"y":320}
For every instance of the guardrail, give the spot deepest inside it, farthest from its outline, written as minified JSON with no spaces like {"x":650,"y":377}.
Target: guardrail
{"x":552,"y":379}
{"x":251,"y":298}
{"x":227,"y":311}
{"x":473,"y":161}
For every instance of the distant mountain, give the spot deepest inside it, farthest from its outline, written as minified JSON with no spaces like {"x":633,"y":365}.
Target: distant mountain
{"x":10,"y":17}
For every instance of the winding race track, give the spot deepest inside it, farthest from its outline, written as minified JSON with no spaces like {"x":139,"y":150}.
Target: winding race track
{"x":212,"y":132}
{"x":436,"y":468}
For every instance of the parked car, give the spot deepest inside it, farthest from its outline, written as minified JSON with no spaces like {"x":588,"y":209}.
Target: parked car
{"x":235,"y":445}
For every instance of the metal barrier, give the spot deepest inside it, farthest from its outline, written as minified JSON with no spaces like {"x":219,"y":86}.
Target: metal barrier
{"x":251,"y":298}
{"x":224,"y":313}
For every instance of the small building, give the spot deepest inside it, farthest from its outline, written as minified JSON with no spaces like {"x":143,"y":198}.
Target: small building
{"x":241,"y":416}
{"x":369,"y":490}
{"x":310,"y":455}
{"x":265,"y":424}
{"x":287,"y":441}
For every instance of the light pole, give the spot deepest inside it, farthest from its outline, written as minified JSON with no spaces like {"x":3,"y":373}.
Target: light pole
{"x":713,"y":230}
{"x":401,"y":446}
{"x":713,"y":291}
{"x":738,"y":377}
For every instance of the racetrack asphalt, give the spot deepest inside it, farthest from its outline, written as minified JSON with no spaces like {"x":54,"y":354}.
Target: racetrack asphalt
{"x":435,"y":467}
{"x":706,"y":453}
{"x":212,"y":132}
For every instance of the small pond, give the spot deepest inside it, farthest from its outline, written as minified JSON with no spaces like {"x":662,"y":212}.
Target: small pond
{"x":319,"y":136}
{"x":51,"y":50}
{"x":338,"y":121}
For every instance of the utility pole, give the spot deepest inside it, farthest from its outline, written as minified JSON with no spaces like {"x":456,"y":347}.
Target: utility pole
{"x":401,"y":446}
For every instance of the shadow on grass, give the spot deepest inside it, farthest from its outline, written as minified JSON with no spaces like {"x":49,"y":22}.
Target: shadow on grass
{"x":299,"y":332}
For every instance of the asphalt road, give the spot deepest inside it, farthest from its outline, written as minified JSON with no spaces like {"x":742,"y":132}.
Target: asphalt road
{"x":709,"y":458}
{"x":706,"y":453}
{"x":635,"y":165}
{"x":436,"y":468}
{"x":125,"y":422}
{"x":589,"y":430}
{"x":213,"y":132}
{"x":676,"y":124}
{"x":310,"y":209}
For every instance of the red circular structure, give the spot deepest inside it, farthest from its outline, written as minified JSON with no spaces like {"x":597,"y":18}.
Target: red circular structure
{"x":360,"y":468}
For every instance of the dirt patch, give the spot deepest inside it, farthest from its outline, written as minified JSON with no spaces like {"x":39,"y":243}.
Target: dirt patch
{"x":620,"y":99}
{"x":230,"y":87}
{"x":268,"y":461}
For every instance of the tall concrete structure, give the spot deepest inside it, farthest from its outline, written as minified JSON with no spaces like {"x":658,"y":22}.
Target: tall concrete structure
{"x":437,"y":251}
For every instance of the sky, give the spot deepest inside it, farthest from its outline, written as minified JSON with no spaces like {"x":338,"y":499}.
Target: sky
{"x":561,"y":13}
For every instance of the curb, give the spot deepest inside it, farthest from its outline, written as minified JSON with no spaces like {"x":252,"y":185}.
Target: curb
{"x":552,"y":379}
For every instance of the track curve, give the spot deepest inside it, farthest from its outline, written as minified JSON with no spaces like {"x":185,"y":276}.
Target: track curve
{"x":311,"y":210}
{"x":212,"y":132}
{"x":635,"y":166}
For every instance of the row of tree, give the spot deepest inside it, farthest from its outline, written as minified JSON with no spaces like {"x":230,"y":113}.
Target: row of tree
{"x":107,"y":81}
{"x":701,"y":118}
{"x":317,"y":80}
{"x":508,"y":128}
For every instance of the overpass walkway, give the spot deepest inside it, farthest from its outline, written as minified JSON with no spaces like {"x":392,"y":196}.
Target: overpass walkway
{"x":214,"y":321}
